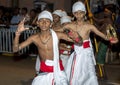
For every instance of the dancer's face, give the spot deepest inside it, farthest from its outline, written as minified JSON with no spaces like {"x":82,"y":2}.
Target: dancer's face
{"x":44,"y":24}
{"x":56,"y":18}
{"x":79,"y":14}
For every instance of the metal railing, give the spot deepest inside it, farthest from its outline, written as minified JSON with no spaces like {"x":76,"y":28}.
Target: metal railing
{"x":6,"y":41}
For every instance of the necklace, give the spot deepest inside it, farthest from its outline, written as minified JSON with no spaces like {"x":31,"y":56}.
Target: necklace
{"x":80,"y":27}
{"x":46,"y":41}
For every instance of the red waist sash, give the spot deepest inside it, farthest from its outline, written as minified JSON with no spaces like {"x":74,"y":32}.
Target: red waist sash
{"x":86,"y":44}
{"x":45,"y":68}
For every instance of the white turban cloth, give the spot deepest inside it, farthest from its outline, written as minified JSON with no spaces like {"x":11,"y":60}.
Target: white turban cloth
{"x":64,"y":13}
{"x":45,"y":14}
{"x":65,"y":19}
{"x":78,"y":6}
{"x":58,"y":12}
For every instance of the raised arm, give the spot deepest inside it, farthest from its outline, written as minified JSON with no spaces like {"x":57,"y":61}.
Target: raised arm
{"x":97,"y":32}
{"x":20,"y":29}
{"x":18,"y":46}
{"x":72,"y":36}
{"x":105,"y":37}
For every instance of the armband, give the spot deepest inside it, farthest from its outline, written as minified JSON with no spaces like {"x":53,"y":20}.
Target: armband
{"x":78,"y":40}
{"x":17,"y":33}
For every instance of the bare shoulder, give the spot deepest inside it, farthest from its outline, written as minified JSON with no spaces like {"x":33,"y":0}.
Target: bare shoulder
{"x":74,"y":22}
{"x":70,"y":26}
{"x":88,"y":25}
{"x":34,"y":37}
{"x":61,"y":35}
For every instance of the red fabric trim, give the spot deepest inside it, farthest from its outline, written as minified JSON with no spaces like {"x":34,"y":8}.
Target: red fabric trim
{"x":77,"y":40}
{"x":52,"y":81}
{"x":73,"y":46}
{"x":45,"y":68}
{"x":61,"y":51}
{"x":73,"y":66}
{"x":70,"y":33}
{"x":86,"y":44}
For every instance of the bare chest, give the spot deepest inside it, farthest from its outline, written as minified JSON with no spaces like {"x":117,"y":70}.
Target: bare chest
{"x":83,"y":31}
{"x":44,"y":43}
{"x":80,"y":29}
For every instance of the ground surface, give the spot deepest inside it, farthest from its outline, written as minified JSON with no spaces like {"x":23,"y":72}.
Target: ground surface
{"x":14,"y":71}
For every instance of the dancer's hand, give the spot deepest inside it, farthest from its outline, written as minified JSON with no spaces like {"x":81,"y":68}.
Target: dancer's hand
{"x":21,"y":26}
{"x":73,"y":35}
{"x":113,"y":40}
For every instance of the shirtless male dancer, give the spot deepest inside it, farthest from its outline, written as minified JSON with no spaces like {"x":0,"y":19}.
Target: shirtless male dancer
{"x":80,"y":67}
{"x":51,"y":68}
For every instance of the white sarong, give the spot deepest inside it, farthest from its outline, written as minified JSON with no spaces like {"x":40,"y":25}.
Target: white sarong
{"x":57,"y":76}
{"x":81,"y":67}
{"x":64,"y":59}
{"x":37,"y":65}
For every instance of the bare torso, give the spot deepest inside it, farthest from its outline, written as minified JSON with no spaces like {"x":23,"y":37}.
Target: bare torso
{"x":44,"y":45}
{"x":84,"y":30}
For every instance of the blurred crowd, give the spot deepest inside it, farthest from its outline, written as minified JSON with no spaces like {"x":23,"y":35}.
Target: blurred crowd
{"x":12,"y":16}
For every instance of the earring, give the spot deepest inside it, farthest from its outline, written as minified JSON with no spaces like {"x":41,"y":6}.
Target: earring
{"x":51,"y":25}
{"x":38,"y":25}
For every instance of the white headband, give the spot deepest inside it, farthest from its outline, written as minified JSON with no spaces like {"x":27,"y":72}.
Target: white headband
{"x":65,"y":19}
{"x":64,"y":13}
{"x":78,"y":6}
{"x":45,"y":14}
{"x":58,"y":12}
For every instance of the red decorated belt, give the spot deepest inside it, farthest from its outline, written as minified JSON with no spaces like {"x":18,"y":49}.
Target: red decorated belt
{"x":86,"y":44}
{"x":45,"y":68}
